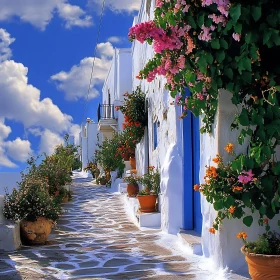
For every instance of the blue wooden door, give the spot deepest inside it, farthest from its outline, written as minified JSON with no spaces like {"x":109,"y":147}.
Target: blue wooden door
{"x":192,"y":207}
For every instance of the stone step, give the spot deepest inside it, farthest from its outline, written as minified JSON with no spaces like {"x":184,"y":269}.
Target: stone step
{"x":192,"y":239}
{"x":9,"y":232}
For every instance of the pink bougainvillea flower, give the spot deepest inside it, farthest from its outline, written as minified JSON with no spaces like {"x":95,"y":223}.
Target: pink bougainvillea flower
{"x":236,"y":36}
{"x":246,"y":177}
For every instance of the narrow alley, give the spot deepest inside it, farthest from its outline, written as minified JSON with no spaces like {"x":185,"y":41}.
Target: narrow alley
{"x":94,"y":239}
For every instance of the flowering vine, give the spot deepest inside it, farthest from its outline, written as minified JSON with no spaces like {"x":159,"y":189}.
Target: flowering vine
{"x":206,"y":45}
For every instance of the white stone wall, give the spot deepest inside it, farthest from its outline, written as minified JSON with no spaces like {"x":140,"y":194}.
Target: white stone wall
{"x":223,"y":247}
{"x":168,"y":154}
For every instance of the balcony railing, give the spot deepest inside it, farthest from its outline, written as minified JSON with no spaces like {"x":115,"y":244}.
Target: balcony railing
{"x":105,"y":112}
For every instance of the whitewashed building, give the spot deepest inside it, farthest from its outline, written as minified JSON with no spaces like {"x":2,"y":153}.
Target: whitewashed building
{"x":88,"y":141}
{"x":117,"y":83}
{"x":181,"y":152}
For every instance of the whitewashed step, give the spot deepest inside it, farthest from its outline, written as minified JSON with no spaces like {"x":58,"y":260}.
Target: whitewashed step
{"x":192,"y":239}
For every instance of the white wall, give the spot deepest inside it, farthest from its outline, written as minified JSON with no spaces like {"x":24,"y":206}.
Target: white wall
{"x":8,"y":179}
{"x":118,"y":81}
{"x":223,"y":247}
{"x":168,"y":154}
{"x":88,"y":142}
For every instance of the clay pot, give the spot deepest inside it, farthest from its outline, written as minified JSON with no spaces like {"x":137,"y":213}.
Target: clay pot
{"x":132,"y":162}
{"x":147,"y":203}
{"x":132,"y":190}
{"x":37,"y":232}
{"x":263,"y":266}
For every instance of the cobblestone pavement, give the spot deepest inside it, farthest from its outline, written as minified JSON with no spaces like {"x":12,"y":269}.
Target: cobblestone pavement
{"x":94,"y":239}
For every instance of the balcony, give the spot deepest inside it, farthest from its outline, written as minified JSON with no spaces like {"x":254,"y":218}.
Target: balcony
{"x":106,"y":118}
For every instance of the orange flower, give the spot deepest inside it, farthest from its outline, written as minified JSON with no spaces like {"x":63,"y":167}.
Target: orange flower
{"x":217,"y":159}
{"x":237,"y":188}
{"x":196,"y":187}
{"x":265,"y":221}
{"x":242,"y":235}
{"x":212,"y":230}
{"x":211,"y":172}
{"x":229,"y":147}
{"x":231,"y":209}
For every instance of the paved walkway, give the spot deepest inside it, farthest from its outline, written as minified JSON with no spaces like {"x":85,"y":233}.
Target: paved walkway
{"x":94,"y":239}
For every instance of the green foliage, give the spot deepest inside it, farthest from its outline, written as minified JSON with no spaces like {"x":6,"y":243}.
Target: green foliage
{"x":30,"y":202}
{"x":150,"y":181}
{"x":267,"y":244}
{"x":108,"y":156}
{"x":132,"y":179}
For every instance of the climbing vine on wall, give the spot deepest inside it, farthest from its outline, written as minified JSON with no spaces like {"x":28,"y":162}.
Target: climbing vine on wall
{"x":207,"y":45}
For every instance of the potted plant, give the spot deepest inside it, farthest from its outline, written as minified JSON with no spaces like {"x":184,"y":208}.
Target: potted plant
{"x":132,"y":186}
{"x":33,"y":207}
{"x":262,"y":255}
{"x":102,"y":180}
{"x":148,"y":197}
{"x":93,"y":169}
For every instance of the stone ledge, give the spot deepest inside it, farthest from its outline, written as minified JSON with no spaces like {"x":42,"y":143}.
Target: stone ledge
{"x":142,"y":220}
{"x":9,"y":236}
{"x":150,"y":220}
{"x":192,"y":239}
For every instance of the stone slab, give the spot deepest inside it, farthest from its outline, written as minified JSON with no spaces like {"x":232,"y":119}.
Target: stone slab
{"x":9,"y":236}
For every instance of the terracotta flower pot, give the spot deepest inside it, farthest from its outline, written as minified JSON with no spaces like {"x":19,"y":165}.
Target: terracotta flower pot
{"x":147,"y":203}
{"x":263,"y":266}
{"x":37,"y":232}
{"x":132,"y":162}
{"x":132,"y":190}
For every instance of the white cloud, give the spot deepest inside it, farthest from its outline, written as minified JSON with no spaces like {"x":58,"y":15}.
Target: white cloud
{"x":40,"y":12}
{"x":75,"y":82}
{"x":118,"y":5}
{"x":5,"y":41}
{"x":18,"y":150}
{"x":4,"y":130}
{"x":74,"y":16}
{"x":116,"y":40}
{"x":49,"y":140}
{"x":21,"y":102}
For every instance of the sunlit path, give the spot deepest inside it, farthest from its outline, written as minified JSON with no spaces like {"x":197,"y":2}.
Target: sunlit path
{"x":94,"y":239}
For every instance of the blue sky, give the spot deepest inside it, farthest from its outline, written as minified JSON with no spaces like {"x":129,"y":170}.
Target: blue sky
{"x":46,"y":53}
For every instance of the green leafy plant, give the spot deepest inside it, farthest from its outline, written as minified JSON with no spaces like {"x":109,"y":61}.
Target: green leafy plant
{"x":92,"y":167}
{"x":30,"y":202}
{"x":135,"y":120}
{"x":150,"y":181}
{"x":132,"y":179}
{"x":267,"y":244}
{"x":107,"y":156}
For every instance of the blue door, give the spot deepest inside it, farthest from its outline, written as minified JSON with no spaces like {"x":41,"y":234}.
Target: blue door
{"x":191,"y":138}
